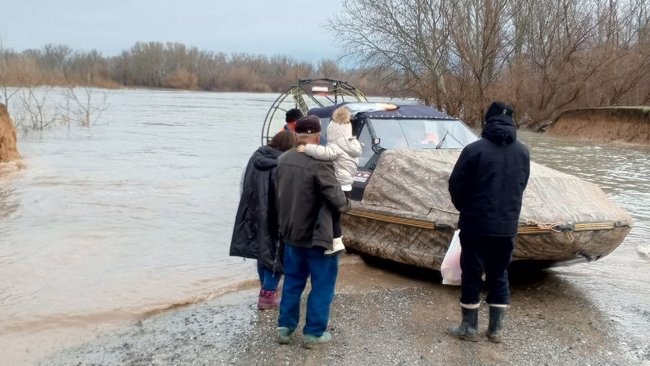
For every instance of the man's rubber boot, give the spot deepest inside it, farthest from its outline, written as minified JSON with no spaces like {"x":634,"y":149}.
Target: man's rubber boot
{"x":495,"y":325}
{"x":468,"y":328}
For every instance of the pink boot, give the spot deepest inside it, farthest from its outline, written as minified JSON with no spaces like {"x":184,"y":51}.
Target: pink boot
{"x":268,"y":300}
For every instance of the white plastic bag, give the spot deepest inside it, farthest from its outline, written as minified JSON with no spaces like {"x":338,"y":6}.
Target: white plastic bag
{"x":450,"y":268}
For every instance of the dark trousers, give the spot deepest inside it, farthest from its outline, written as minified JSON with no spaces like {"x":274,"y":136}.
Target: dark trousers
{"x":336,"y":224}
{"x":300,"y":264}
{"x":487,"y":254}
{"x":336,"y":220}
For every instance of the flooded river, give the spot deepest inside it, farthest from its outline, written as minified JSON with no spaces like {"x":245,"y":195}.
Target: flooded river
{"x":134,"y":215}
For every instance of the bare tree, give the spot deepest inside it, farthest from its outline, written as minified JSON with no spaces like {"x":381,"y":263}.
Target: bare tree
{"x":83,"y":106}
{"x":328,"y":69}
{"x":482,"y":44}
{"x":35,"y":110}
{"x":405,"y":41}
{"x":87,"y":68}
{"x":145,"y":64}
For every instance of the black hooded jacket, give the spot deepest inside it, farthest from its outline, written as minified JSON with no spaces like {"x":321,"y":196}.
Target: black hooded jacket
{"x":255,"y":234}
{"x":489,"y":179}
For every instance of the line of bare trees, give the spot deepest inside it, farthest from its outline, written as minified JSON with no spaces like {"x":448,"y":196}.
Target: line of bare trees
{"x":543,"y":56}
{"x":165,"y":65}
{"x":27,"y":77}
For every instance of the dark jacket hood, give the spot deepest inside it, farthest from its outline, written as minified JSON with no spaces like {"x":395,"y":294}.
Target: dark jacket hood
{"x":500,"y":129}
{"x":266,"y":157}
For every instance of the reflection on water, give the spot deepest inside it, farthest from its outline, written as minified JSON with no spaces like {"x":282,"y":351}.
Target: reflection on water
{"x":135,"y":214}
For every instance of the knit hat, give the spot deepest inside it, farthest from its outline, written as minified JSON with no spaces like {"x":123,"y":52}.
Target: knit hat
{"x":293,"y":115}
{"x":497,"y":108}
{"x":340,"y":126}
{"x":308,"y":124}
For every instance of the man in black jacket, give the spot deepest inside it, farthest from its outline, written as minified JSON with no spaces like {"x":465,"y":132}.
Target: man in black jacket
{"x":307,"y":191}
{"x":487,"y":186}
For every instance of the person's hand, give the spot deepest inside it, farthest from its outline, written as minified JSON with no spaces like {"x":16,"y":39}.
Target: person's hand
{"x":300,"y":148}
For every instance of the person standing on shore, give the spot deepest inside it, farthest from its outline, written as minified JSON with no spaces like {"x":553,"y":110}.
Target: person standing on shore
{"x":486,"y":186}
{"x":307,"y":191}
{"x":256,"y":234}
{"x":343,"y":150}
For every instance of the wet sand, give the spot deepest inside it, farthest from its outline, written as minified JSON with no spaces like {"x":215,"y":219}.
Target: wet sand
{"x":379,"y":317}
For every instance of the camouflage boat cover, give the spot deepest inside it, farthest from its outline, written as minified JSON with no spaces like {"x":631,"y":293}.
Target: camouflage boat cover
{"x":406,"y":214}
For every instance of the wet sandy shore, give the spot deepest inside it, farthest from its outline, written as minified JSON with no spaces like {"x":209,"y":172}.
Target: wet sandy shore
{"x":378,"y":317}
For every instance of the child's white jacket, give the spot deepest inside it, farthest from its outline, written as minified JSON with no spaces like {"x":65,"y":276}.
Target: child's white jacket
{"x":343,"y":152}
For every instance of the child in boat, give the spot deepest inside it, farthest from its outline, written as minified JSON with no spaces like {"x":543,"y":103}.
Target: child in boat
{"x":343,"y":149}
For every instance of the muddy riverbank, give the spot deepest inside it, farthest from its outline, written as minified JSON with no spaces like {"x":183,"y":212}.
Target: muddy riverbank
{"x":619,"y":124}
{"x":8,"y":150}
{"x":379,"y":317}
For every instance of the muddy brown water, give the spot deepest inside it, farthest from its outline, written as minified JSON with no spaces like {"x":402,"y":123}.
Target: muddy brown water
{"x":134,"y":215}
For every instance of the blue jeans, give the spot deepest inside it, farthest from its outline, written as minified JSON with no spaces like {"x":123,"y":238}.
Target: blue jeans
{"x":268,"y":279}
{"x":299,"y":264}
{"x":490,"y":254}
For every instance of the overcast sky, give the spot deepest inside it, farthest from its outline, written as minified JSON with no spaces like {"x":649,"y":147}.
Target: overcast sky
{"x":287,"y":27}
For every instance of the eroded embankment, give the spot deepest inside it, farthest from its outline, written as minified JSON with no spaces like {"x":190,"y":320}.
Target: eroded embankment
{"x":8,"y":150}
{"x":626,"y":124}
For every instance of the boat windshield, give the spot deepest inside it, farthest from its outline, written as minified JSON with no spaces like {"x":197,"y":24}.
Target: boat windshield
{"x":422,"y":134}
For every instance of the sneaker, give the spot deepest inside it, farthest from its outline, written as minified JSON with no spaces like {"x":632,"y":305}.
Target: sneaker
{"x":268,"y":300}
{"x":337,"y":247}
{"x":284,"y":335}
{"x":312,"y":341}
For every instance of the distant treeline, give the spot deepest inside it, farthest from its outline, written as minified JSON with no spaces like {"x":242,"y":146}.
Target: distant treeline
{"x":166,"y":65}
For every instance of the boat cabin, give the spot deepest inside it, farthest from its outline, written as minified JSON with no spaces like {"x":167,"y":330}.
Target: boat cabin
{"x":385,"y":126}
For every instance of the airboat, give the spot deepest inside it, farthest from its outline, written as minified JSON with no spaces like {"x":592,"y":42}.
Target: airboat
{"x":401,"y":209}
